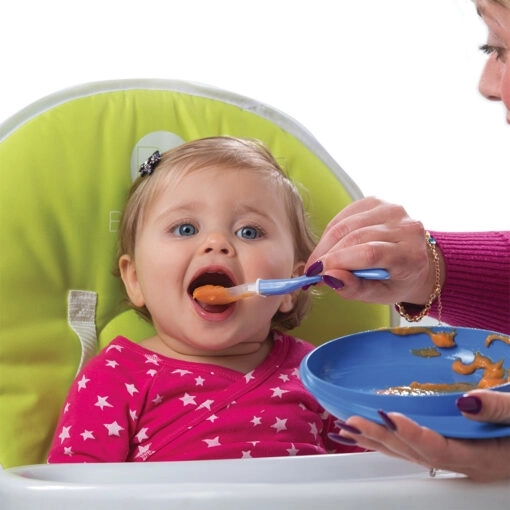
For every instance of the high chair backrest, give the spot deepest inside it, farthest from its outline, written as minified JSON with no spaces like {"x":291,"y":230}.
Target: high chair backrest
{"x":66,"y":164}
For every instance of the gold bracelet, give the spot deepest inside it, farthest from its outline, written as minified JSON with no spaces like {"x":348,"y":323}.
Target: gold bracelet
{"x":436,"y":292}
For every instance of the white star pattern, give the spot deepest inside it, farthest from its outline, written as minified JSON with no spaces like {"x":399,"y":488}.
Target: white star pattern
{"x":181,"y":372}
{"x":133,"y":415}
{"x":284,"y":377}
{"x":256,"y":420}
{"x":142,"y":435}
{"x":278,"y":392}
{"x":144,"y":452}
{"x":206,"y":404}
{"x":131,"y":388}
{"x":199,"y":381}
{"x":188,"y":399}
{"x":114,"y":346}
{"x":112,"y":363}
{"x":113,"y":428}
{"x":102,"y":403}
{"x":157,"y":399}
{"x":82,"y":383}
{"x":152,"y":358}
{"x":152,"y":372}
{"x":249,"y":376}
{"x":280,"y":424}
{"x":212,"y":418}
{"x":64,"y":434}
{"x":246,"y":454}
{"x":68,"y":450}
{"x":66,"y":407}
{"x":87,"y":434}
{"x":215,"y":441}
{"x":313,"y":430}
{"x":293,"y":450}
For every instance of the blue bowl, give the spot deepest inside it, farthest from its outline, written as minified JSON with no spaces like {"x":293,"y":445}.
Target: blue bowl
{"x":346,"y":375}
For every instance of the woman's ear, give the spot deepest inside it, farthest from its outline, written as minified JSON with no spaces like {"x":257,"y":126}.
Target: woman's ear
{"x":129,"y":277}
{"x":288,"y":300}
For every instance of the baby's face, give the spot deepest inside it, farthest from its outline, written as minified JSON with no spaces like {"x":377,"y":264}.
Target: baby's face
{"x":212,"y":226}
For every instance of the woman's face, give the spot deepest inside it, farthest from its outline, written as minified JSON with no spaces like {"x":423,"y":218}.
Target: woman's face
{"x":495,"y":79}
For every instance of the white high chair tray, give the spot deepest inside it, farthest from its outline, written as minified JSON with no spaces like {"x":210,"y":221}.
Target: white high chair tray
{"x":359,"y":481}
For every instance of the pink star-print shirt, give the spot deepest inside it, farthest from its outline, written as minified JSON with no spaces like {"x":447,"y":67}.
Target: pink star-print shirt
{"x":130,"y":404}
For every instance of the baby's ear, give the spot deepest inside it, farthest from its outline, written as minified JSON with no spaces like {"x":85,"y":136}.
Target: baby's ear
{"x":129,"y":277}
{"x":289,"y":300}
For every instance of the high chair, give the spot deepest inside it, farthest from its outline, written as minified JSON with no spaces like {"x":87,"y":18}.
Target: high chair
{"x":66,"y":163}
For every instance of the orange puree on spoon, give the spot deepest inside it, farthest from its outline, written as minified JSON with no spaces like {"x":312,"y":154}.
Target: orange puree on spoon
{"x":215,"y":295}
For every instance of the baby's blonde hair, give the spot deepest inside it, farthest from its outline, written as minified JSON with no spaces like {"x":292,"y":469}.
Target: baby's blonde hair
{"x":232,"y":153}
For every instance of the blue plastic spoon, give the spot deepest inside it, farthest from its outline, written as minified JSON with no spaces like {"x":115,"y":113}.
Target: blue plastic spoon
{"x":218,"y":295}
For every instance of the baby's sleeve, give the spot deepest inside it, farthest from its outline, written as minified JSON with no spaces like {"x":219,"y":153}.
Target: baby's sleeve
{"x":96,"y":422}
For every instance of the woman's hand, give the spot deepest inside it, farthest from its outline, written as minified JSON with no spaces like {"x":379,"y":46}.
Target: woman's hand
{"x":481,"y":459}
{"x":373,"y":233}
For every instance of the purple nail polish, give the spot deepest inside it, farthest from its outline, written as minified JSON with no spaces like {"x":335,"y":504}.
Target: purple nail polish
{"x":390,"y":424}
{"x":347,"y":428}
{"x":315,"y":269}
{"x":332,"y":282}
{"x":336,"y":438}
{"x":469,"y":404}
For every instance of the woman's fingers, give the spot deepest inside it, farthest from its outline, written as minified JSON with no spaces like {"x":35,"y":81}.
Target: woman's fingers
{"x":480,"y":459}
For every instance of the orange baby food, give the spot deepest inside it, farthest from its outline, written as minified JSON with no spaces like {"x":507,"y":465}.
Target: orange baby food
{"x":216,"y":295}
{"x":211,"y":294}
{"x":493,"y":373}
{"x":426,"y":352}
{"x":418,"y":389}
{"x":442,"y":339}
{"x":495,"y":336}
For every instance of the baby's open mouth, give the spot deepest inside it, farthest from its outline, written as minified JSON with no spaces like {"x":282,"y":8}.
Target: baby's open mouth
{"x":211,"y":278}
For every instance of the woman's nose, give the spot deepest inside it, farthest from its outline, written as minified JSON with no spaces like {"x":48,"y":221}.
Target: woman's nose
{"x":219,"y":243}
{"x":490,"y":80}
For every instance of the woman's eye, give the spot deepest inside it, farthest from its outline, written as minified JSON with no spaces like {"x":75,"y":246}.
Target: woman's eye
{"x":185,"y":229}
{"x":249,"y":233}
{"x":489,"y":50}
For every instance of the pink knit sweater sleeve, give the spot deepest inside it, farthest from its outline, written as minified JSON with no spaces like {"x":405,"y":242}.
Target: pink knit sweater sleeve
{"x":476,"y":292}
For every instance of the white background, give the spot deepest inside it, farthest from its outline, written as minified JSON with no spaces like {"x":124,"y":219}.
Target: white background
{"x":389,"y":87}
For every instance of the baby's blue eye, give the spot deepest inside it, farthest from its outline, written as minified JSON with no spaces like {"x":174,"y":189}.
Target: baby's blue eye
{"x":185,"y":229}
{"x":248,"y":233}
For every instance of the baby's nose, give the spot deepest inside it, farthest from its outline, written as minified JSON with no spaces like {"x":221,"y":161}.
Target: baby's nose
{"x":218,"y":242}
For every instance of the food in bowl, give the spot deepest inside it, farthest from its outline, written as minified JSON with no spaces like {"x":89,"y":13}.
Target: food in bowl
{"x":347,"y":374}
{"x":494,"y":373}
